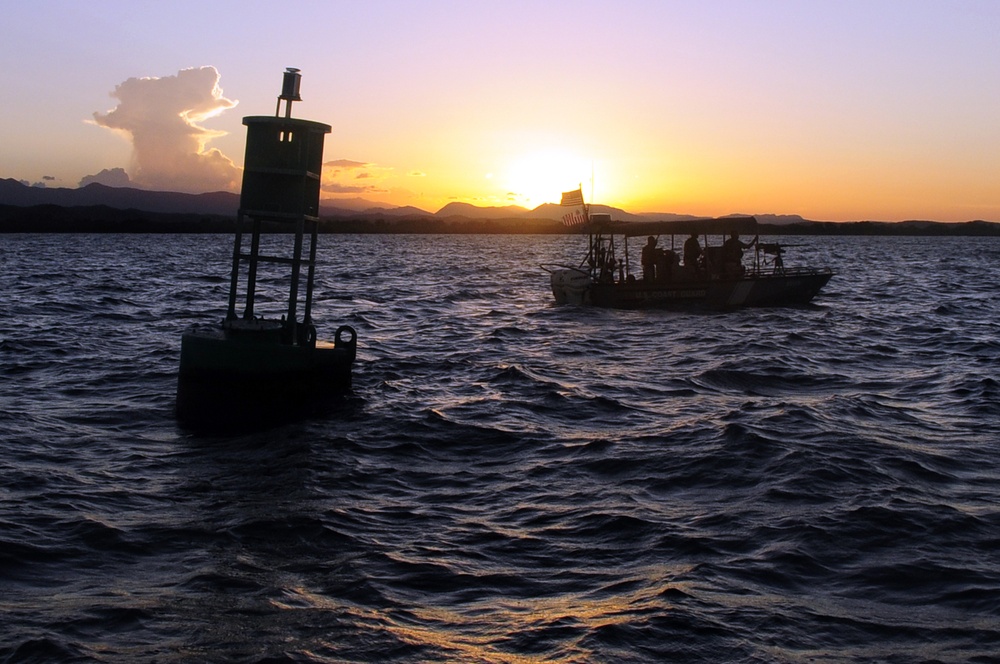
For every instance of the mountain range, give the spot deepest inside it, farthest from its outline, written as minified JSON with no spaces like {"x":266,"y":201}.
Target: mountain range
{"x":100,"y":208}
{"x":18,"y":194}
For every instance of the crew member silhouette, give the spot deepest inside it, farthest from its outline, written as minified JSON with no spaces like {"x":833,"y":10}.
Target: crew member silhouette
{"x":649,"y":260}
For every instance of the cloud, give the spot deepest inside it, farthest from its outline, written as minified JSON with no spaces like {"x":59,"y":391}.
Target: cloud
{"x":162,"y":116}
{"x":334,"y":188}
{"x":111,"y":177}
{"x":345,"y":164}
{"x":345,"y":176}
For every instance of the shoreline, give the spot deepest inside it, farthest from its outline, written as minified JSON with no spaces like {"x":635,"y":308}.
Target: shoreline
{"x":105,"y":219}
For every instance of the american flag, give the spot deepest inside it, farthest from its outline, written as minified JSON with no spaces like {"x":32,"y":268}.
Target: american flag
{"x":574,"y":218}
{"x":572,"y":198}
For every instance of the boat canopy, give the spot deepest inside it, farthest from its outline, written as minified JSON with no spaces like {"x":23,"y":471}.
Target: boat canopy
{"x":722,"y":226}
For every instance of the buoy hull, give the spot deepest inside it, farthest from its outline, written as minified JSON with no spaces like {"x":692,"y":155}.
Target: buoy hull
{"x":232,"y":383}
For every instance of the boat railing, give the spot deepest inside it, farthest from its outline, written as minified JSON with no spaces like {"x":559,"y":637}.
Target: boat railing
{"x":607,"y":260}
{"x":550,"y":267}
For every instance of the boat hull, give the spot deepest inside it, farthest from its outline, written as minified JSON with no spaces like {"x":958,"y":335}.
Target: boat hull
{"x":571,"y":286}
{"x":232,"y":382}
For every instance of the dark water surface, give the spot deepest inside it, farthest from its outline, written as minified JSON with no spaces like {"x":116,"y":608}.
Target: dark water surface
{"x":511,"y":481}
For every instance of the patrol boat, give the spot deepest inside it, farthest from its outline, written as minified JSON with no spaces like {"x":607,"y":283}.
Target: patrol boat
{"x":250,"y":370}
{"x":717,"y":275}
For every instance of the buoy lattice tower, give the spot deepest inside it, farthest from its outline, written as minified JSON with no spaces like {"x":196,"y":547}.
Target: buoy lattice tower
{"x":281,"y":186}
{"x":253,"y":369}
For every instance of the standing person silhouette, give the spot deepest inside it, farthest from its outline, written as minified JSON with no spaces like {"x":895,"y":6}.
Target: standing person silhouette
{"x":692,"y":251}
{"x":732,"y":250}
{"x":649,"y":260}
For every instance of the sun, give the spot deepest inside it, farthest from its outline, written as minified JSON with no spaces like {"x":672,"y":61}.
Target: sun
{"x":541,"y":177}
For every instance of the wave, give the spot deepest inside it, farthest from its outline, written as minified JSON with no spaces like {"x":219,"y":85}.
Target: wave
{"x":509,"y":479}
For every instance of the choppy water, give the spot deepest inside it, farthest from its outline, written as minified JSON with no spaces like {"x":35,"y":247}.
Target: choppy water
{"x":511,"y":481}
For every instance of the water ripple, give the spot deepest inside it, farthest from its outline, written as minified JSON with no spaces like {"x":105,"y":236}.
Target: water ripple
{"x":510,"y":481}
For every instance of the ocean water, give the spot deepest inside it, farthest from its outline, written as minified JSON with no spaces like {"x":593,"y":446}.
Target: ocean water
{"x":510,"y":481}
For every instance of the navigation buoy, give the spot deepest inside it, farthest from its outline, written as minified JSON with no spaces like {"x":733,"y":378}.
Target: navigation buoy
{"x":251,"y":370}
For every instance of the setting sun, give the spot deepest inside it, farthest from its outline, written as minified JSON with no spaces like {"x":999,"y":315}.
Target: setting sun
{"x":541,"y":177}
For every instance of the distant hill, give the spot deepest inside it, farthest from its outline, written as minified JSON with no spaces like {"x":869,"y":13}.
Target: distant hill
{"x":18,"y":194}
{"x":349,"y":207}
{"x":226,"y":203}
{"x":554,"y":211}
{"x":405,"y":211}
{"x":469,"y":211}
{"x":346,"y":206}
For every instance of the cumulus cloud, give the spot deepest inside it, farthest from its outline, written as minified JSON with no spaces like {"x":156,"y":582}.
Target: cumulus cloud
{"x":162,"y":116}
{"x":111,"y":177}
{"x":345,"y":164}
{"x":344,"y":176}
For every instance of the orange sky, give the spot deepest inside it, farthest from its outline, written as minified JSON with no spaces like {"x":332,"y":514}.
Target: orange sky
{"x":832,"y":110}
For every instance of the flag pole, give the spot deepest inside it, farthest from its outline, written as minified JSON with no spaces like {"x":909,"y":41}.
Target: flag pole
{"x":591,"y":181}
